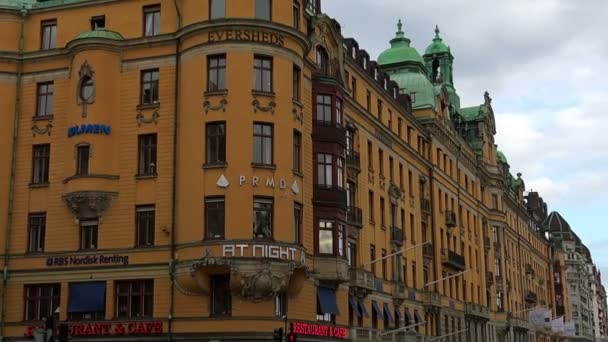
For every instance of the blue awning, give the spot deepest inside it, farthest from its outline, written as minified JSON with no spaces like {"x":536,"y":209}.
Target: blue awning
{"x":387,"y":313}
{"x":354,"y":305}
{"x":418,"y":319}
{"x":327,"y":301}
{"x":377,"y":310}
{"x":397,"y":313}
{"x":408,"y":315}
{"x":87,"y":297}
{"x":363,"y":308}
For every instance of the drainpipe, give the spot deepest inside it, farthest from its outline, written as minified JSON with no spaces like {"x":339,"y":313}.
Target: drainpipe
{"x":172,"y":262}
{"x":11,"y":191}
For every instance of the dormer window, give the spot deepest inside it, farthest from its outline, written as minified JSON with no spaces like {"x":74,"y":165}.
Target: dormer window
{"x":354,"y":53}
{"x":385,"y":84}
{"x":395,"y":93}
{"x":376,"y":74}
{"x":98,"y":22}
{"x":364,"y":63}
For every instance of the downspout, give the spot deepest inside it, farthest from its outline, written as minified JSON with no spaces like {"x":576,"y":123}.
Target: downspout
{"x":174,"y":179}
{"x":11,"y":191}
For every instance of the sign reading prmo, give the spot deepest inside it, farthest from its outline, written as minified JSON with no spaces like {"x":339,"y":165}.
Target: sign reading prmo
{"x":265,"y":251}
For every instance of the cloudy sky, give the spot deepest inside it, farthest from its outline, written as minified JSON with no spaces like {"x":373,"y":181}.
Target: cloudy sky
{"x":545,"y":64}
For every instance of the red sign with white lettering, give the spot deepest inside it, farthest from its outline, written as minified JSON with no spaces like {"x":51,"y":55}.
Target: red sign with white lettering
{"x":300,"y":328}
{"x":108,"y":328}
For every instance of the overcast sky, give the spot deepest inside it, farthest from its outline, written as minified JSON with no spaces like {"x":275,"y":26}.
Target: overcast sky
{"x":545,"y":64}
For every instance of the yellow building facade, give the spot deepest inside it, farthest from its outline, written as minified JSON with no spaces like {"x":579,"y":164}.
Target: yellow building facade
{"x":217,"y":169}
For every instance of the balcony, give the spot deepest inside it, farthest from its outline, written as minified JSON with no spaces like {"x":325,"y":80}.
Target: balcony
{"x":329,"y":132}
{"x":452,"y":259}
{"x":478,"y":310}
{"x":489,"y":278}
{"x":361,"y":281}
{"x":397,"y":235}
{"x":427,"y":251}
{"x":399,"y":291}
{"x":450,"y":218}
{"x":425,"y":206}
{"x":331,"y":269}
{"x":355,"y":217}
{"x":330,"y":195}
{"x":432,"y":299}
{"x":531,"y":297}
{"x":353,"y":160}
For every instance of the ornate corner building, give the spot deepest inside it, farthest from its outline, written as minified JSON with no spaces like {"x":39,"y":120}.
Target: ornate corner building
{"x":190,"y":170}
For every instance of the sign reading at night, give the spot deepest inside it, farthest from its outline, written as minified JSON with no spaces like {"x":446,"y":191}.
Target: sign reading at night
{"x":87,"y":260}
{"x":246,"y":35}
{"x":264,"y":251}
{"x":309,"y":329}
{"x":108,"y":328}
{"x":89,"y":129}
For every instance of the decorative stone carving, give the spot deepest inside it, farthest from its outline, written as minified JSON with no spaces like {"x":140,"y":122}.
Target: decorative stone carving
{"x":298,"y":114}
{"x":141,"y":119}
{"x":43,"y":130}
{"x":85,"y":92}
{"x":268,"y":108}
{"x":89,"y":204}
{"x":394,"y":192}
{"x":259,"y":283}
{"x":207,"y":106}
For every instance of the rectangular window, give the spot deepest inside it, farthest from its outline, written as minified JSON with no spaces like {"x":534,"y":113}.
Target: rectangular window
{"x":134,"y":298}
{"x":382,"y":213}
{"x":152,"y":20}
{"x":147,"y":155}
{"x":495,"y":201}
{"x":216,"y":72}
{"x":370,"y":156}
{"x":325,"y":169}
{"x":37,"y":231}
{"x":214,"y":217}
{"x":88,"y":234}
{"x":297,"y":151}
{"x":383,"y":254}
{"x":391,"y":168}
{"x":45,"y":99}
{"x":326,"y":237}
{"x":217,"y":9}
{"x":368,"y":99}
{"x":372,"y":257}
{"x":353,"y":87}
{"x":41,"y":301}
{"x":410,"y":185}
{"x":262,"y":144}
{"x":262,"y":74}
{"x":381,"y":162}
{"x":371,"y":206}
{"x":324,"y":109}
{"x":48,"y":34}
{"x":296,"y":14}
{"x":98,"y":22}
{"x":412,"y":229}
{"x":263,"y":9}
{"x":399,"y":127}
{"x":351,"y":254}
{"x":262,"y":217}
{"x":40,"y":163}
{"x":149,"y":87}
{"x":145,"y":221}
{"x":296,"y":83}
{"x":414,"y":276}
{"x":87,"y":301}
{"x":380,"y":110}
{"x":340,"y":240}
{"x":297,"y":223}
{"x":401,"y":177}
{"x":280,"y":305}
{"x":221,"y":298}
{"x":82,"y":160}
{"x":216,"y":143}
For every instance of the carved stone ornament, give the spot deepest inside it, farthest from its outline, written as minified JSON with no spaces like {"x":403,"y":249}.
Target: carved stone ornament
{"x":85,"y":91}
{"x":43,"y":130}
{"x":260,"y":281}
{"x":394,"y":191}
{"x":141,"y":119}
{"x":258,"y":106}
{"x":89,"y":204}
{"x":207,"y":106}
{"x":298,"y":114}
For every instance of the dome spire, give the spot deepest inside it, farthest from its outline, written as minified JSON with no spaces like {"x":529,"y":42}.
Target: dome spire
{"x":437,"y":38}
{"x":400,"y":35}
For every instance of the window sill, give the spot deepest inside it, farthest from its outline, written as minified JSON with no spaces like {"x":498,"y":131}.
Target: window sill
{"x":42,"y":117}
{"x":264,"y":166}
{"x":144,"y":246}
{"x":141,"y":177}
{"x":219,"y":238}
{"x":90,"y":175}
{"x":148,"y":105}
{"x":38,"y":185}
{"x":215,"y":166}
{"x":297,"y":103}
{"x":222,"y":92}
{"x":298,"y":173}
{"x":263,"y":93}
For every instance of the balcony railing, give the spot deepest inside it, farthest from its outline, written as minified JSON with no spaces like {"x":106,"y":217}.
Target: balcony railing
{"x":353,"y":160}
{"x":362,"y":279}
{"x":427,"y":251}
{"x":329,"y":132}
{"x":399,"y":291}
{"x":355,"y":216}
{"x":450,"y":218}
{"x":531,"y":297}
{"x":432,"y":299}
{"x":330,"y":195}
{"x":425,"y":206}
{"x":397,"y":235}
{"x":452,"y":259}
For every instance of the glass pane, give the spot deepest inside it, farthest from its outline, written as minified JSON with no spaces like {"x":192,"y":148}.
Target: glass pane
{"x":326,"y":242}
{"x":53,"y":40}
{"x":156,"y":23}
{"x":218,"y":9}
{"x":221,"y":79}
{"x":267,"y":151}
{"x":42,"y":105}
{"x":267,"y":81}
{"x":257,"y":150}
{"x":257,"y":79}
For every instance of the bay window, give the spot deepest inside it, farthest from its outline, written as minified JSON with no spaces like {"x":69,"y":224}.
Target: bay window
{"x":330,"y":171}
{"x":325,"y":110}
{"x":332,"y":238}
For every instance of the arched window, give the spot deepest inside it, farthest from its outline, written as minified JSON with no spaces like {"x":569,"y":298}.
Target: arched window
{"x":322,"y":59}
{"x":86,"y":89}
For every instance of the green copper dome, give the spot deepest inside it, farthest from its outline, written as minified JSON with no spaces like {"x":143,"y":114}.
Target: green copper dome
{"x":437,"y":46}
{"x":400,"y":50}
{"x":415,"y":83}
{"x":101,"y":34}
{"x":501,"y":157}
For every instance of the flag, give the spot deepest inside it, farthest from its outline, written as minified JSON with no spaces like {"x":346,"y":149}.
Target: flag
{"x":569,"y":329}
{"x":557,"y":325}
{"x":537,"y":316}
{"x":547,"y":318}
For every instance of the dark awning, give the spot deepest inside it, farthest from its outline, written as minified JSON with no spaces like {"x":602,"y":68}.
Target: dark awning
{"x":354,"y":305}
{"x":376,"y":309}
{"x":408,"y":315}
{"x":363,"y":308}
{"x":387,"y":313}
{"x":87,"y":297}
{"x":327,"y":301}
{"x":397,"y":313}
{"x":418,"y":319}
